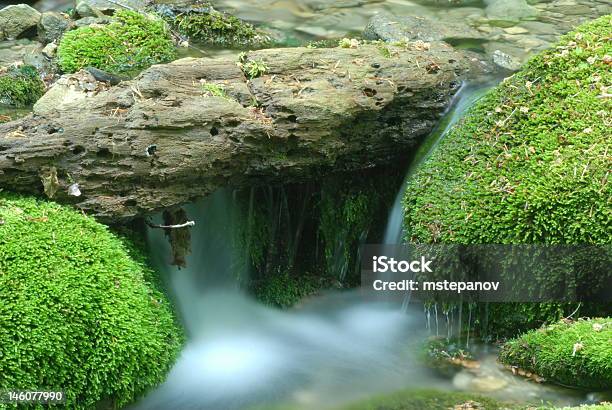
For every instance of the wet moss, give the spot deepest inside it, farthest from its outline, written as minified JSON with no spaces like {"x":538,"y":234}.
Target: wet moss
{"x":218,"y":28}
{"x":285,"y":290}
{"x":529,"y":163}
{"x":427,"y":399}
{"x":80,"y":308}
{"x":577,"y":354}
{"x":130,"y":43}
{"x":20,"y":87}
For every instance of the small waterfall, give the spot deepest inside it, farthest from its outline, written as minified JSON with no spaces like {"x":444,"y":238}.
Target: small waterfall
{"x":240,"y":353}
{"x":464,"y":99}
{"x":337,"y":348}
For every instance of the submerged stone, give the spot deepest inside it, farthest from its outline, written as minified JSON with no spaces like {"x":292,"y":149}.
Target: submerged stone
{"x":509,"y":10}
{"x":387,"y":27}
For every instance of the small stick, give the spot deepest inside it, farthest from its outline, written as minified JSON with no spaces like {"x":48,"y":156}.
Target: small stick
{"x":179,"y":226}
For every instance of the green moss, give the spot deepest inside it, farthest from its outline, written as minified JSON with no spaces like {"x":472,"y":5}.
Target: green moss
{"x":576,"y":354}
{"x":284,"y":290}
{"x":252,"y":68}
{"x":425,"y":399}
{"x":130,"y":43}
{"x":215,"y":90}
{"x":603,"y":406}
{"x":21,"y":86}
{"x":79,"y":308}
{"x":529,"y":163}
{"x":217,"y":28}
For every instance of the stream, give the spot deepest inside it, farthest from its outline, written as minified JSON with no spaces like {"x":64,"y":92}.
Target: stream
{"x":333,"y":349}
{"x":337,"y":347}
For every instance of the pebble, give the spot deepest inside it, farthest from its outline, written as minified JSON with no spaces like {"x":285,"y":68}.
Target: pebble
{"x":516,"y":30}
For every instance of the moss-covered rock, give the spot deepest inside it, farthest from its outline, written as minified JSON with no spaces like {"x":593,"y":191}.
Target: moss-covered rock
{"x":20,"y":86}
{"x":427,"y":399}
{"x":79,"y":309}
{"x":576,"y":354}
{"x":529,"y":163}
{"x":202,"y":23}
{"x":218,"y":28}
{"x":131,"y":42}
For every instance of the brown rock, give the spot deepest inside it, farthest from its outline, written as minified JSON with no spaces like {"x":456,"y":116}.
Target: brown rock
{"x":163,"y":139}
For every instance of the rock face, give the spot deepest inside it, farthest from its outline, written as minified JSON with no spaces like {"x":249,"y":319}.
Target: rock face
{"x":387,"y":27}
{"x":17,"y":21}
{"x":181,"y":130}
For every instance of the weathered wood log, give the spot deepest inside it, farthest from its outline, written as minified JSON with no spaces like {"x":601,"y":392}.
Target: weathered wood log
{"x":181,"y":130}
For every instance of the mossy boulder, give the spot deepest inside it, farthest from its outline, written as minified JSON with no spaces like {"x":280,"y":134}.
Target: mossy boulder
{"x":427,"y":399}
{"x":131,"y":42}
{"x":20,"y":86}
{"x":80,"y":310}
{"x":202,"y":23}
{"x":529,"y":163}
{"x":575,"y":354}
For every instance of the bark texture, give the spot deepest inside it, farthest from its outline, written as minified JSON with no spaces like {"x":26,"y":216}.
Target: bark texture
{"x":164,"y":138}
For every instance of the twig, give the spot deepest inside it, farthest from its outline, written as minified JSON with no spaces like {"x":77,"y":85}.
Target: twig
{"x":179,"y":226}
{"x":574,"y":312}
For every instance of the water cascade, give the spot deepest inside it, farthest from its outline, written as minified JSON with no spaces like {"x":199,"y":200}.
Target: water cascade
{"x":335,"y":348}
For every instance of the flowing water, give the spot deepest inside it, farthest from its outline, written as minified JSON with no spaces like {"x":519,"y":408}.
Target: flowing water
{"x":336,"y":348}
{"x":464,"y":99}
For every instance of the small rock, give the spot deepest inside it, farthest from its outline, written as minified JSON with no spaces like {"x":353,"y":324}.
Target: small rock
{"x":505,"y":60}
{"x":488,"y":384}
{"x":50,"y":50}
{"x":457,"y":3}
{"x":516,"y":30}
{"x":509,"y":10}
{"x":387,"y":27}
{"x":570,"y":8}
{"x":85,"y":9}
{"x":469,"y":405}
{"x":537,"y":27}
{"x":14,"y":51}
{"x":18,"y":21}
{"x":96,"y":8}
{"x":52,"y":25}
{"x":73,"y":190}
{"x":88,"y":21}
{"x":313,"y":31}
{"x":69,"y":89}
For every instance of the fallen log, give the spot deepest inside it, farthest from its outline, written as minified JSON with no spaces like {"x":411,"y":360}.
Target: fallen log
{"x":181,"y":130}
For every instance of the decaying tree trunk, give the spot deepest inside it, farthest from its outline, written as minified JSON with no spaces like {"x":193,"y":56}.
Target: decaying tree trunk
{"x":181,"y":130}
